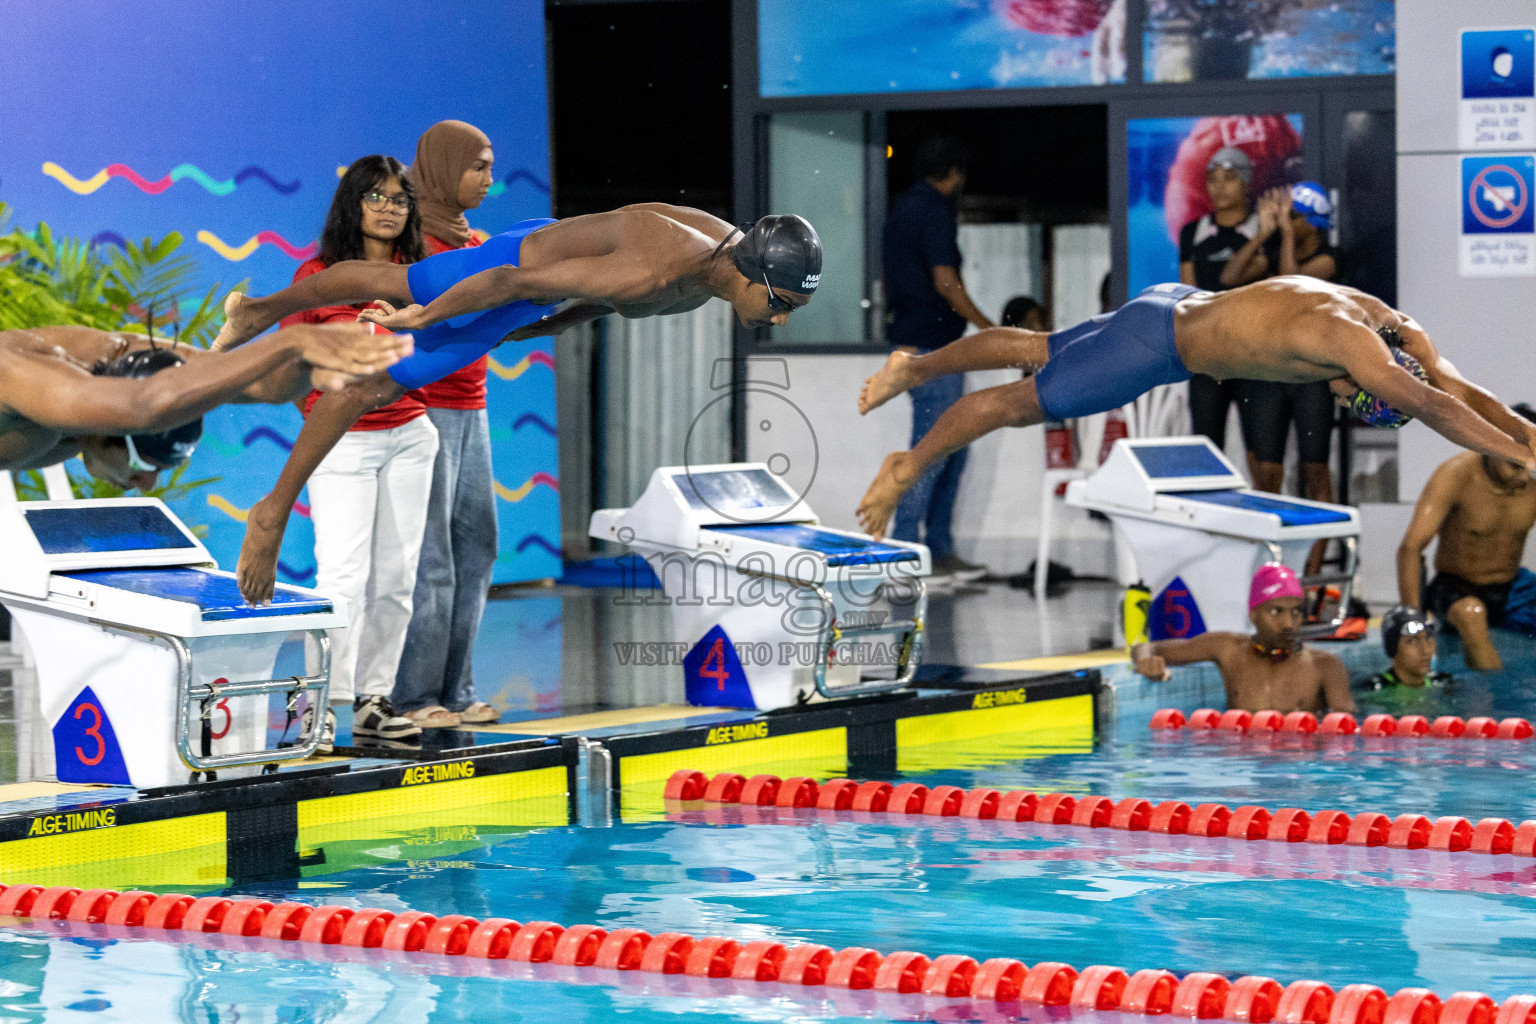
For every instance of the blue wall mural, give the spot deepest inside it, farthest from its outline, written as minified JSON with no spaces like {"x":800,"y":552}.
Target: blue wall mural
{"x":228,"y":125}
{"x":806,"y":48}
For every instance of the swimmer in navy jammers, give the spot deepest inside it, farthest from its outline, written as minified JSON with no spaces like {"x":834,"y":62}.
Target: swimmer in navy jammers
{"x":1377,"y":361}
{"x":650,"y":259}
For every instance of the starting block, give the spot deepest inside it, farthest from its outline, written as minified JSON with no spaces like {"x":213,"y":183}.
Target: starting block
{"x":1198,"y":532}
{"x":149,"y":667}
{"x":771,"y":608}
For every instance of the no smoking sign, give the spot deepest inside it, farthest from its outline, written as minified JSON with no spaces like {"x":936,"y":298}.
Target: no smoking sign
{"x":1498,"y":216}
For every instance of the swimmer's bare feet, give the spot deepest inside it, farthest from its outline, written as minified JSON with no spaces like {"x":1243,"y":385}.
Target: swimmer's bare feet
{"x":256,"y":572}
{"x":238,"y":326}
{"x":892,"y":379}
{"x":880,"y":501}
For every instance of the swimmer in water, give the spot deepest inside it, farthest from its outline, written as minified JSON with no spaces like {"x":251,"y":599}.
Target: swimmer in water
{"x":132,"y":406}
{"x":1377,"y":361}
{"x":650,"y":259}
{"x":1268,"y":670}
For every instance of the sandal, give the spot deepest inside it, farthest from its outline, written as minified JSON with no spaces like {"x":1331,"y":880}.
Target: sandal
{"x":434,"y":717}
{"x":479,"y":713}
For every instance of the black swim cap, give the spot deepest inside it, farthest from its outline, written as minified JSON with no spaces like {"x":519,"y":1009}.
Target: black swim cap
{"x":1400,"y":620}
{"x":168,"y":448}
{"x":783,"y":250}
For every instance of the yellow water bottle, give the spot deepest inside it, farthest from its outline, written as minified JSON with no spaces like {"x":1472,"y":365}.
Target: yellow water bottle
{"x":1137,"y":605}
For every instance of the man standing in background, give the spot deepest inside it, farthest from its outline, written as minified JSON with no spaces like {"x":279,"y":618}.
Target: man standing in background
{"x":1205,"y":247}
{"x":929,"y":308}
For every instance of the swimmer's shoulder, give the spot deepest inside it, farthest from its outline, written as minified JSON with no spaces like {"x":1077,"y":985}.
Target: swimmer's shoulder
{"x":1322,"y":660}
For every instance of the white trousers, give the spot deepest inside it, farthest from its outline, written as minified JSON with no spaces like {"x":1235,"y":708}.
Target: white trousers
{"x":368,"y":504}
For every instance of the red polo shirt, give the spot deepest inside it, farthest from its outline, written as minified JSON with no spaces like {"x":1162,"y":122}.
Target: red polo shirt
{"x":461,"y":389}
{"x":403,"y":409}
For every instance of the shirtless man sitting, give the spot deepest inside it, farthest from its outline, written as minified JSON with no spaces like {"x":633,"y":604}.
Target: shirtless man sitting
{"x":1481,"y":508}
{"x":1268,"y":671}
{"x":1376,"y":360}
{"x":131,"y":406}
{"x":645,"y":260}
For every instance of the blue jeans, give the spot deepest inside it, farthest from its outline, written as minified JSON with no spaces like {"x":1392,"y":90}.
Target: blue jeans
{"x":458,"y":551}
{"x":931,"y":501}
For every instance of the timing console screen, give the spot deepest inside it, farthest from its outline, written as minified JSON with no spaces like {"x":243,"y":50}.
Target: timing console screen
{"x":1163,"y":461}
{"x":732,"y":490}
{"x":75,"y":531}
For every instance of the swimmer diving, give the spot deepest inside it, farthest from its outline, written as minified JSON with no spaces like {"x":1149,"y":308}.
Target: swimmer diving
{"x":649,"y":259}
{"x":1377,"y":361}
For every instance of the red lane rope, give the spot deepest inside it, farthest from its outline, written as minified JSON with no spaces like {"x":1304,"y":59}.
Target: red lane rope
{"x":1250,"y":999}
{"x":1244,"y":723}
{"x":1449,"y":834}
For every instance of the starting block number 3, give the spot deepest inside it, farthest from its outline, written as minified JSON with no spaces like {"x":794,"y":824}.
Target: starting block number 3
{"x":94,"y":732}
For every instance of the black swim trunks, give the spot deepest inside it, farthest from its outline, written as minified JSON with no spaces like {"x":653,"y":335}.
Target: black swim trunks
{"x":1268,"y":408}
{"x":1446,"y":589}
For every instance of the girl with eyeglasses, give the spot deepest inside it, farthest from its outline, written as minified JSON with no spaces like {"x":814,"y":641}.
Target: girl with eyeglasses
{"x":366,"y":497}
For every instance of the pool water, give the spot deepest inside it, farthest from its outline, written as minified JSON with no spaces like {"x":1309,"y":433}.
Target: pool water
{"x":1393,"y":918}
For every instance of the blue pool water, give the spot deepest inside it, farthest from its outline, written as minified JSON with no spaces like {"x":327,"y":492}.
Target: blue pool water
{"x":1445,"y":921}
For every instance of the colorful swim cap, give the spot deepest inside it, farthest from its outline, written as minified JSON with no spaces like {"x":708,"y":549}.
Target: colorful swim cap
{"x":1272,"y":581}
{"x":168,"y":448}
{"x":781,"y":250}
{"x":1372,"y":411}
{"x":1310,"y":199}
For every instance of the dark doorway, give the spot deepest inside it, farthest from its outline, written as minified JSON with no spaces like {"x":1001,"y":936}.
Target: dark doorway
{"x":1042,"y":165}
{"x":641,"y":104}
{"x":1368,"y":203}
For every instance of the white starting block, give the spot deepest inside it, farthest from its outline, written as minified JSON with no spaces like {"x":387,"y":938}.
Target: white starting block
{"x":769,"y":608}
{"x":1198,"y":532}
{"x":148,"y":663}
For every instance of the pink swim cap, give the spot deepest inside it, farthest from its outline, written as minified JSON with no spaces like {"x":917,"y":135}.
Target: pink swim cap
{"x":1271,"y":581}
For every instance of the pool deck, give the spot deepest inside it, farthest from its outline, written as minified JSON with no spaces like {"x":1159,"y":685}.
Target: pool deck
{"x":587,"y":764}
{"x":530,"y":773}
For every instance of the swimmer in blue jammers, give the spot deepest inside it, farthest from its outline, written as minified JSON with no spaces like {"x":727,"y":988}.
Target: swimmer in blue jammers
{"x":1377,"y":361}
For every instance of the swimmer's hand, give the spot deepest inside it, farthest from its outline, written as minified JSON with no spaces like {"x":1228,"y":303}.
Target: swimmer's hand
{"x":256,"y":572}
{"x":1150,"y":665}
{"x":409,"y":318}
{"x":342,"y":353}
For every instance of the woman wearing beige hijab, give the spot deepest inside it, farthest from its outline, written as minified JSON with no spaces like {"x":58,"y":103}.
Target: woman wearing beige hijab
{"x":435,"y":685}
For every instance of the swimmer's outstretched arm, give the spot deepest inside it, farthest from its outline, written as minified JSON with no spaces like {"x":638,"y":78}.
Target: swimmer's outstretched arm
{"x":1443,"y":375}
{"x":975,"y":415}
{"x":996,"y":348}
{"x":61,"y":396}
{"x":1370,"y":364}
{"x":327,"y":423}
{"x":1153,"y":658}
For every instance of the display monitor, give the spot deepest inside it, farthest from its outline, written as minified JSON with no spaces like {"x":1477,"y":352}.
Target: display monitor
{"x":98,"y":529}
{"x":732,"y":491}
{"x":1173,"y":461}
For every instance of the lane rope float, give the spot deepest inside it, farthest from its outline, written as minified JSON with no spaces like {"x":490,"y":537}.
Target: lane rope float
{"x":1339,"y":723}
{"x":1449,"y":833}
{"x":1198,"y":995}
